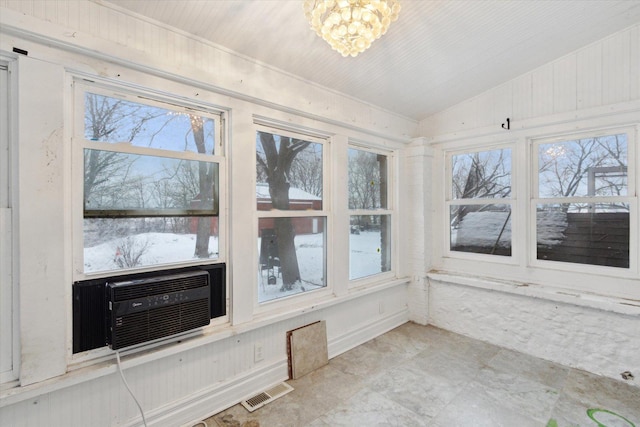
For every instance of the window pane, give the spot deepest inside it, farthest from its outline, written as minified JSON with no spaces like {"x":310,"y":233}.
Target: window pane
{"x":585,"y":233}
{"x":120,"y":181}
{"x":583,"y":167}
{"x":483,"y":174}
{"x":292,"y":256}
{"x":289,"y":173}
{"x":123,"y":243}
{"x":482,"y":229}
{"x":367,"y":180}
{"x":369,"y":245}
{"x":114,"y":120}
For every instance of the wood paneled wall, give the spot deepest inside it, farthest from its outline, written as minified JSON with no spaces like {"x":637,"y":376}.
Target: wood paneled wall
{"x":604,"y":73}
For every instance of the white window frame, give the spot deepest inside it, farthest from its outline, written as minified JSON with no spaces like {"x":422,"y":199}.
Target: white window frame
{"x":511,"y":201}
{"x":631,"y":199}
{"x":80,"y":143}
{"x":9,"y":316}
{"x":277,"y":128}
{"x":389,"y":210}
{"x":144,"y":96}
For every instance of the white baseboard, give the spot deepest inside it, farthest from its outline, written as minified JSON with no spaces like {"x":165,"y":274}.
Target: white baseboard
{"x":367,"y":332}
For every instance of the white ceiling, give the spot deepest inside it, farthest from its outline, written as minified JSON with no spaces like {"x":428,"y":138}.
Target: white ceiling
{"x":438,"y":52}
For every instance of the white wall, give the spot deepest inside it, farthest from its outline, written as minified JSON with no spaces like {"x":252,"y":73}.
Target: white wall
{"x":415,"y":242}
{"x":594,"y":339}
{"x":570,"y":316}
{"x":206,"y":372}
{"x":603,"y":74}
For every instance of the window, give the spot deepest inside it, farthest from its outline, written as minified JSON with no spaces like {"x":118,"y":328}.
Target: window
{"x":582,"y":201}
{"x":7,"y":371}
{"x":292,"y":222}
{"x":479,"y":203}
{"x":370,"y":214}
{"x":150,"y":184}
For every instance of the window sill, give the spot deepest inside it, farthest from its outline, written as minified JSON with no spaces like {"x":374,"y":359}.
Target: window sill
{"x":582,"y":299}
{"x":275,"y":316}
{"x":142,"y":356}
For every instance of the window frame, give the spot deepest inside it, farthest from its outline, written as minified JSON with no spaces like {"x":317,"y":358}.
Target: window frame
{"x":267,"y":126}
{"x":80,"y":87}
{"x":389,"y":211}
{"x":9,"y":313}
{"x":511,"y":201}
{"x":631,"y":199}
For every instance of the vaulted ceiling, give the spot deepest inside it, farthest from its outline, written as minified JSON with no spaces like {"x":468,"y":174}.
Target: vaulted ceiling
{"x":438,"y":53}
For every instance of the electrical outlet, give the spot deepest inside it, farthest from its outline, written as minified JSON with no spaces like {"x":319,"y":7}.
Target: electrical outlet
{"x":258,"y":352}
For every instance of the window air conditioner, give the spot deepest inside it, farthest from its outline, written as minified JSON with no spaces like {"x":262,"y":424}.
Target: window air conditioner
{"x":147,"y":309}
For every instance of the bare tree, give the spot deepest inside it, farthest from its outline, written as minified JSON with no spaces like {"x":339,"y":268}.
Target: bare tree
{"x":112,"y":120}
{"x":587,"y":167}
{"x":364,"y":181}
{"x":205,"y":187}
{"x":275,"y":162}
{"x":306,"y":172}
{"x":368,"y":190}
{"x":480,"y":175}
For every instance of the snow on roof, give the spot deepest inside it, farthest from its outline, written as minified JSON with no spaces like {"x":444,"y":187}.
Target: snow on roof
{"x":262,"y":192}
{"x":550,"y":227}
{"x":483,"y":228}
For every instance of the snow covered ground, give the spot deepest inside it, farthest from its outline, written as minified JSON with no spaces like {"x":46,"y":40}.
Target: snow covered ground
{"x":164,"y":248}
{"x":483,"y":229}
{"x":364,"y":261}
{"x":157,"y":248}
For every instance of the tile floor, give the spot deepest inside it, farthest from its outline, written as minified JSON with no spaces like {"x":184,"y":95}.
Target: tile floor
{"x":424,"y":376}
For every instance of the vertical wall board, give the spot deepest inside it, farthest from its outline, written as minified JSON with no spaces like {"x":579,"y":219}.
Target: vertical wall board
{"x":468,"y":116}
{"x":564,"y":84}
{"x":451,"y":120}
{"x":136,"y":39}
{"x":83,"y":18}
{"x":501,"y":104}
{"x":73,"y":16}
{"x":173,"y":50}
{"x":589,"y":76}
{"x":522,"y":97}
{"x":63,"y":14}
{"x":43,"y":276}
{"x":50,"y":11}
{"x":604,"y":73}
{"x":542,"y":87}
{"x":89,"y":19}
{"x":124,"y":29}
{"x":615,"y":68}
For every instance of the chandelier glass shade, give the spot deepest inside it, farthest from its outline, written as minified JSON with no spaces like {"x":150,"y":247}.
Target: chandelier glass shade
{"x":350,"y":26}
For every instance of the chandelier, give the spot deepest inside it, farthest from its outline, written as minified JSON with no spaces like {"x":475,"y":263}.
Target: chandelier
{"x":350,"y":26}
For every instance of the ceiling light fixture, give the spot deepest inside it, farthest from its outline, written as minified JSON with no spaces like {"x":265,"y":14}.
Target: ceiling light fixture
{"x":350,"y":26}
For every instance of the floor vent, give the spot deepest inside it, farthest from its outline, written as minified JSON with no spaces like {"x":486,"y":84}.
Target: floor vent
{"x":261,"y":399}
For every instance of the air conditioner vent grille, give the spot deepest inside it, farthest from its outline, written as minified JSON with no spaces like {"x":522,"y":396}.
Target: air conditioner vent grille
{"x":140,"y":288}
